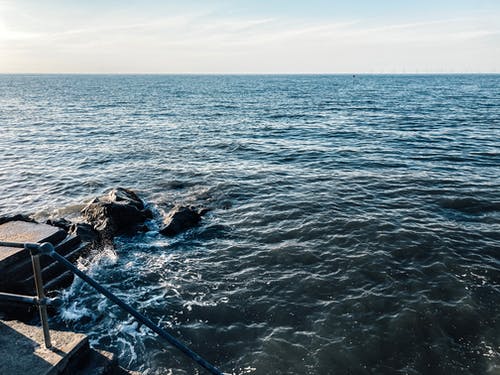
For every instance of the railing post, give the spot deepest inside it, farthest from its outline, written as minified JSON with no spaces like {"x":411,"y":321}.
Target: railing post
{"x":42,"y":301}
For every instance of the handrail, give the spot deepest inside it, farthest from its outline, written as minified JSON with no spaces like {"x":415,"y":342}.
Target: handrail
{"x":11,"y":297}
{"x":30,"y":300}
{"x":48,"y":249}
{"x":40,"y":299}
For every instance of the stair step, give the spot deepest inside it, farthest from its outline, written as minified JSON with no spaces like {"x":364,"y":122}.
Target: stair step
{"x":96,"y":362}
{"x":55,"y":269}
{"x":22,"y":349}
{"x":22,"y":232}
{"x":60,"y":282}
{"x":69,"y":242}
{"x":23,"y":268}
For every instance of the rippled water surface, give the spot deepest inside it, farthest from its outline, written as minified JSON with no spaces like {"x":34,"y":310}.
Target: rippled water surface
{"x":354,"y":224}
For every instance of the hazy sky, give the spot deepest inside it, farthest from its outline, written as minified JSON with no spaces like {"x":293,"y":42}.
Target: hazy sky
{"x":233,"y":36}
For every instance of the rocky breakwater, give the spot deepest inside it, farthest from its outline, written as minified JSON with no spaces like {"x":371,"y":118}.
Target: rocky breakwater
{"x":118,"y":212}
{"x":121,"y":211}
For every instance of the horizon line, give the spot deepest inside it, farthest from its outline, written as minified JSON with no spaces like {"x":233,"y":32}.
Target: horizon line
{"x":250,"y":73}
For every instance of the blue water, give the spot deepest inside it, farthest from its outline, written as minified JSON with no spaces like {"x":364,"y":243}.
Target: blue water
{"x":354,"y":224}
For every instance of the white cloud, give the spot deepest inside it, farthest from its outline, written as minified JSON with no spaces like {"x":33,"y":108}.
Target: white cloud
{"x":202,"y":42}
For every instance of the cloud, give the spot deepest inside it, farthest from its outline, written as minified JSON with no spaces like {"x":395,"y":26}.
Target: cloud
{"x":201,"y":41}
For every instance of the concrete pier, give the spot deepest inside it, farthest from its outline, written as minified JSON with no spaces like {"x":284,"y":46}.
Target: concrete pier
{"x":22,"y":349}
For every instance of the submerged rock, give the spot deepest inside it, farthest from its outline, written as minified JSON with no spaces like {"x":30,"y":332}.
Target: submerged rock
{"x":120,"y":211}
{"x":180,"y":219}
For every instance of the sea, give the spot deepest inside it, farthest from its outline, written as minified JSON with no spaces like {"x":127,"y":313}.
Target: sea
{"x":353,"y":224}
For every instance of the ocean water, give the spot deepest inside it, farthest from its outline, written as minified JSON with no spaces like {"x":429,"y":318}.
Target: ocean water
{"x":354,"y":223}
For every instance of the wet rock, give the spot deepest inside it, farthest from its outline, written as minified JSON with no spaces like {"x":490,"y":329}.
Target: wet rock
{"x":181,"y":218}
{"x":60,"y":223}
{"x":85,"y":231}
{"x":120,"y":211}
{"x":18,"y":217}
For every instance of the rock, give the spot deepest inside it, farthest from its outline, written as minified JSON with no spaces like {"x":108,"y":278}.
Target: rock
{"x":181,"y":218}
{"x":60,"y":223}
{"x":18,"y":217}
{"x":85,"y":231}
{"x":120,"y":211}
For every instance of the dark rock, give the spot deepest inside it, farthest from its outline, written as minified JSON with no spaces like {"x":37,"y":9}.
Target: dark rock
{"x":202,"y":210}
{"x":85,"y":231}
{"x":181,"y":218}
{"x":120,"y":211}
{"x":60,"y":223}
{"x":18,"y":217}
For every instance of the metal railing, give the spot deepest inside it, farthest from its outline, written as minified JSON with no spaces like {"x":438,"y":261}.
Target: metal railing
{"x":41,"y":300}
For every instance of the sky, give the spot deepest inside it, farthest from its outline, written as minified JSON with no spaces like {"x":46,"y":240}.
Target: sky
{"x":233,"y":36}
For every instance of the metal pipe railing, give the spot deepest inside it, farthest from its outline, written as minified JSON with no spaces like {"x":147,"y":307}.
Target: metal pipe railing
{"x":42,"y":306}
{"x":12,"y":297}
{"x":30,"y":300}
{"x":40,"y":300}
{"x":19,"y":245}
{"x":48,"y":249}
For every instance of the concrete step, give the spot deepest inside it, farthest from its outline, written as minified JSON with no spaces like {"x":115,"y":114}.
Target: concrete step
{"x":16,"y":272}
{"x":95,"y":362}
{"x":22,"y":352}
{"x":22,"y":231}
{"x":23,"y":268}
{"x":55,"y":269}
{"x":22,"y":349}
{"x":98,"y":362}
{"x":52,"y":273}
{"x":60,"y":282}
